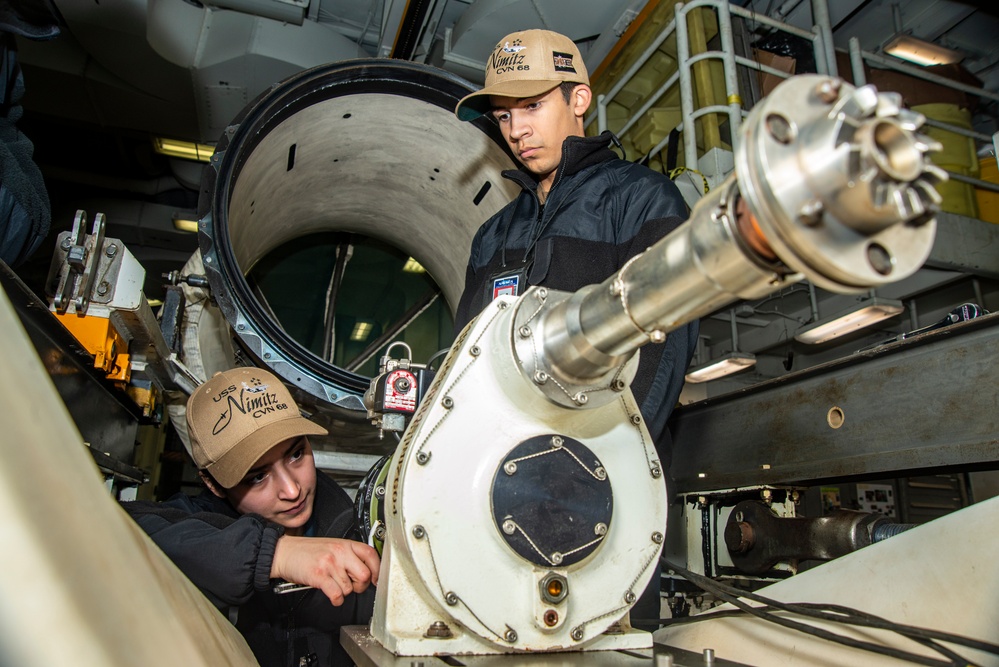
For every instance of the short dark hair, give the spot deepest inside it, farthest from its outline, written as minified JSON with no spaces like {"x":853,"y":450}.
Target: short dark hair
{"x":567,"y":87}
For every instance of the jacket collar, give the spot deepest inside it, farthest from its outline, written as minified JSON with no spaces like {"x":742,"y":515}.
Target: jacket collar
{"x":578,"y":153}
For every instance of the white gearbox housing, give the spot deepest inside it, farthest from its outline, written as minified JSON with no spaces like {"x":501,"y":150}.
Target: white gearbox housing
{"x":513,"y":523}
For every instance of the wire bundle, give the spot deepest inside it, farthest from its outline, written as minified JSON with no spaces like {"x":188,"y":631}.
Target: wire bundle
{"x":830,"y":613}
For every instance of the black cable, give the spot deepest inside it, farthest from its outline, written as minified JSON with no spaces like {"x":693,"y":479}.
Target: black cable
{"x":729,"y":613}
{"x":839,"y":614}
{"x":872,"y":621}
{"x":848,"y":615}
{"x":833,"y":613}
{"x":437,"y":355}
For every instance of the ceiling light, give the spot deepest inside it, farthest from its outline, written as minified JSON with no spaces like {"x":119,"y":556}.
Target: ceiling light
{"x":187,"y":150}
{"x":921,"y":52}
{"x":185,"y":223}
{"x":864,"y":314}
{"x":361,"y":330}
{"x":733,"y":362}
{"x":412,"y":266}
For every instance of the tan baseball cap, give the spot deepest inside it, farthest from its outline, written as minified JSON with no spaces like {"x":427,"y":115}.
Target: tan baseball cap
{"x":238,"y":416}
{"x":525,"y":64}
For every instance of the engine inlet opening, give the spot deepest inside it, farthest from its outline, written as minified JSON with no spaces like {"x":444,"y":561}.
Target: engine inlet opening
{"x":345,"y":297}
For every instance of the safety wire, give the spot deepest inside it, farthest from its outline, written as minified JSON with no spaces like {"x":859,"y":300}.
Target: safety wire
{"x":831,"y":613}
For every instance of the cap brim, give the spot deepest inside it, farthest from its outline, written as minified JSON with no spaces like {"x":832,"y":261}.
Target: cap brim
{"x":232,"y":467}
{"x":477,"y":104}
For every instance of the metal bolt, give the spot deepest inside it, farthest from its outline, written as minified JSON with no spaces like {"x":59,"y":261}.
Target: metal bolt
{"x":438,"y":629}
{"x":208,"y":260}
{"x":618,"y":385}
{"x":657,"y":336}
{"x":475,"y":350}
{"x":542,"y":294}
{"x":540,"y":377}
{"x":600,"y":529}
{"x":102,"y":289}
{"x":510,"y":636}
{"x":448,"y":402}
{"x":636,"y":419}
{"x":630,"y":597}
{"x":240,"y":326}
{"x":657,"y":537}
{"x":810,"y":214}
{"x":557,"y":558}
{"x":418,"y":532}
{"x":709,"y":656}
{"x":600,"y":473}
{"x":656,"y":472}
{"x":557,"y":441}
{"x":510,"y":467}
{"x":379,"y":492}
{"x":66,"y":244}
{"x":422,"y":458}
{"x":524,"y":331}
{"x":111,"y":250}
{"x":503,"y":305}
{"x":576,"y":634}
{"x":451,"y":598}
{"x":580,"y":398}
{"x":509,"y":527}
{"x":267,"y":355}
{"x":828,"y":91}
{"x":380,"y":533}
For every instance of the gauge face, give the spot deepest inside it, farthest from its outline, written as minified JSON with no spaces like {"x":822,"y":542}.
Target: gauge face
{"x":552,"y":500}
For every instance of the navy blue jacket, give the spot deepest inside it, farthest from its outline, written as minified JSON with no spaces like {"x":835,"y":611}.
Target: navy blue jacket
{"x":228,"y":556}
{"x":600,"y":212}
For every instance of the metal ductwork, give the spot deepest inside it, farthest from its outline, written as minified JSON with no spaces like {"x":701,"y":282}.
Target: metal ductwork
{"x":366,"y":146}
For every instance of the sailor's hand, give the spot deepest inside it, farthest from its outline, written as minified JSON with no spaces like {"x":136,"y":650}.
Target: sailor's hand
{"x":337,"y":567}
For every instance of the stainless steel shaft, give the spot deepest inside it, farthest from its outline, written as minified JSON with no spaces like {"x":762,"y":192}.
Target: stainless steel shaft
{"x":832,"y":184}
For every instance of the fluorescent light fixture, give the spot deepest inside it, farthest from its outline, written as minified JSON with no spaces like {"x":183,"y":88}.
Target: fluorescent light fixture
{"x":864,"y":314}
{"x":733,"y":362}
{"x":185,"y":223}
{"x":921,"y":52}
{"x":361,"y":330}
{"x":412,"y":266}
{"x":187,"y":150}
